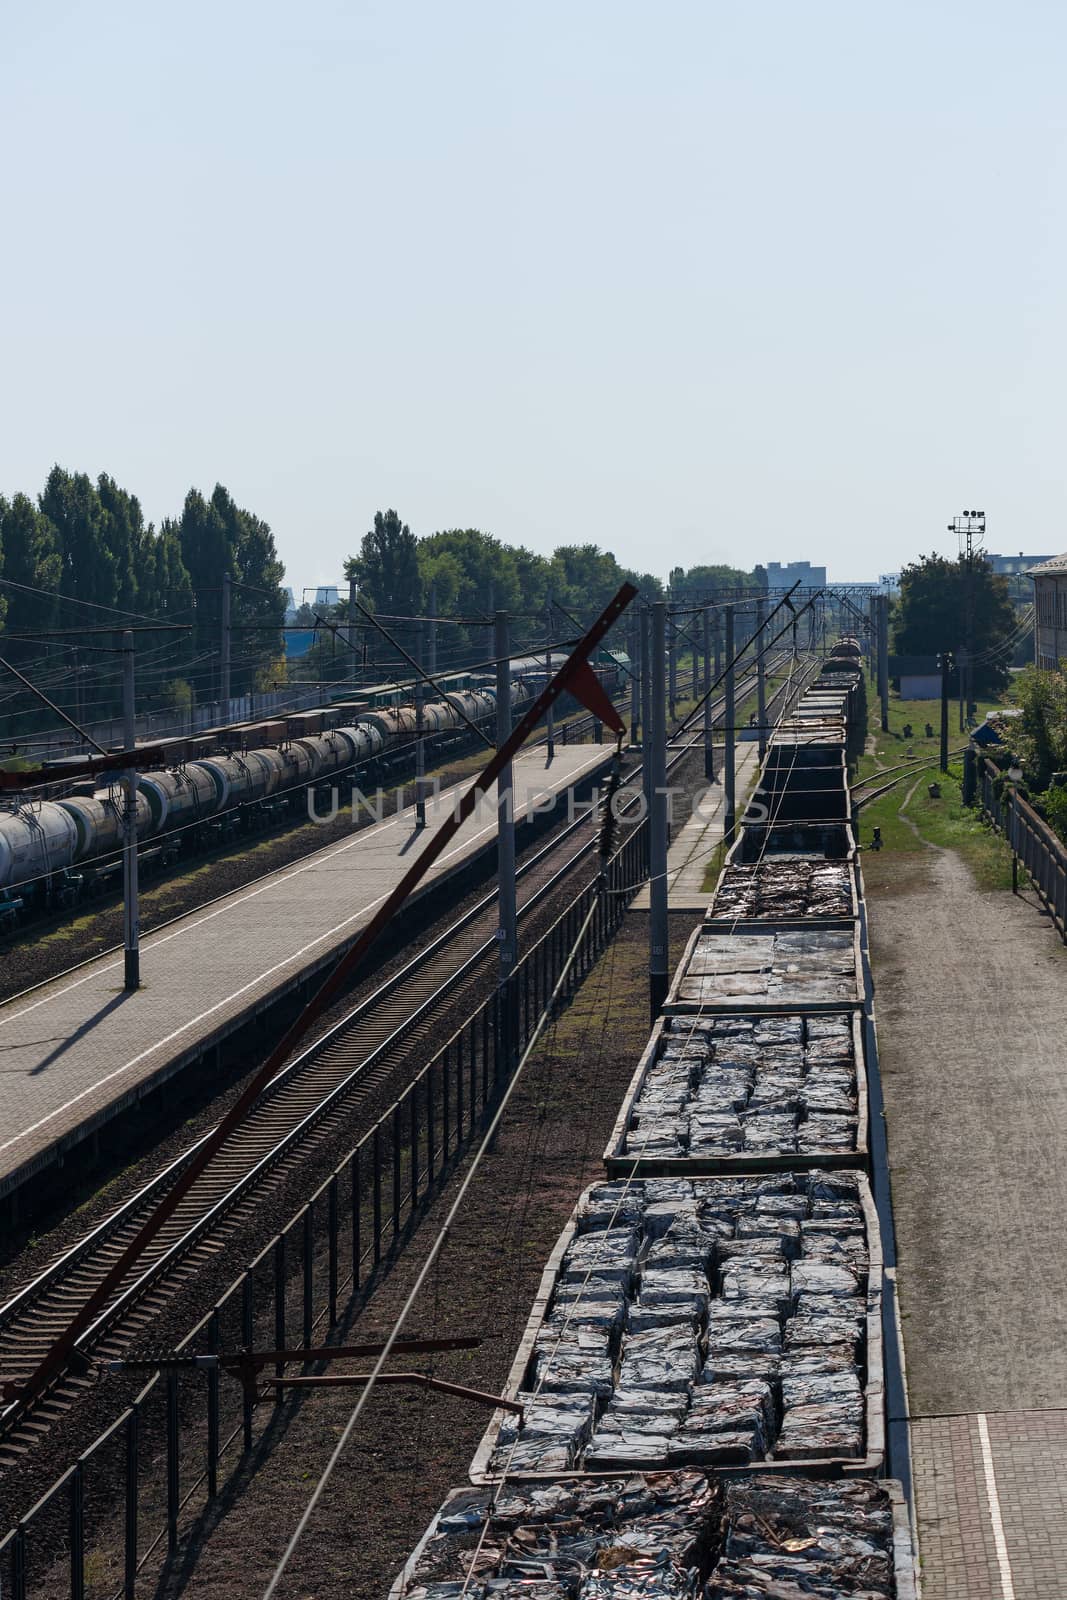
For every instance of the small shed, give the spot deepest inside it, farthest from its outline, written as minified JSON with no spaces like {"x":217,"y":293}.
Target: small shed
{"x":920,"y":676}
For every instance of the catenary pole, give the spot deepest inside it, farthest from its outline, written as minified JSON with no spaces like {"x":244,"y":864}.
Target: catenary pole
{"x":635,"y":678}
{"x":508,"y":932}
{"x":550,"y":720}
{"x":883,"y":659}
{"x":657,"y":922}
{"x":729,"y":768}
{"x":131,"y":921}
{"x":709,"y":730}
{"x":646,"y":704}
{"x":761,"y":683}
{"x":224,"y":675}
{"x":420,"y":732}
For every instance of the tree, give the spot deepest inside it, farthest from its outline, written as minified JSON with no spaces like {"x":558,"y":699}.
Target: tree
{"x":32,"y":559}
{"x":932,"y":613}
{"x":1039,"y":734}
{"x":702,"y":580}
{"x":387,"y":567}
{"x":217,"y":536}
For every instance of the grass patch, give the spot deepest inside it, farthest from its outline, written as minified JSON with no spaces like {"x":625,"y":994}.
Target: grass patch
{"x":907,"y":824}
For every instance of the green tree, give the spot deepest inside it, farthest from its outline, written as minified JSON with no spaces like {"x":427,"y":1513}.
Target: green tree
{"x":936,"y":595}
{"x":217,"y":536}
{"x":387,"y":567}
{"x":32,"y":559}
{"x":1039,"y":734}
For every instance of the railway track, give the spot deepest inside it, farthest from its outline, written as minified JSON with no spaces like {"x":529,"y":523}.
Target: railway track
{"x":872,"y":788}
{"x":325,"y":1085}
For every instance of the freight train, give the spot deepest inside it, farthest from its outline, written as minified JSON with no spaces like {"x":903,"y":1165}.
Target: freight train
{"x":58,"y":851}
{"x":696,"y":1410}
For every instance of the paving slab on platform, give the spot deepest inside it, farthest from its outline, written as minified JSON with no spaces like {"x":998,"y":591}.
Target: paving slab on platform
{"x":696,"y":842}
{"x":79,"y":1049}
{"x":991,"y":1497}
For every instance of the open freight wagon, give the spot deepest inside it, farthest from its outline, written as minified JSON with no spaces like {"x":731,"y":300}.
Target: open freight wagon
{"x":726,"y":1322}
{"x":670,"y":1536}
{"x":744,"y":1093}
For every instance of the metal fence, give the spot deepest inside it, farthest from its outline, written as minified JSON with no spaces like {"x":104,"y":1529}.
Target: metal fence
{"x":1042,"y":854}
{"x":118,"y":1514}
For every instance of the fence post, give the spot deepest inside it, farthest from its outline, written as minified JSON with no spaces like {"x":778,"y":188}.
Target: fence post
{"x":413,"y":1139}
{"x":429,"y":1126}
{"x":355,"y":1197}
{"x":396,"y":1173}
{"x":331,"y":1215}
{"x":377,"y":1149}
{"x":247,"y":1327}
{"x":446,"y":1112}
{"x":129,"y":1558}
{"x":173,"y":1483}
{"x":459,"y":1090}
{"x":309,"y":1268}
{"x":213,"y":1409}
{"x":77,"y":1533}
{"x":472,"y":1061}
{"x":279,"y":1309}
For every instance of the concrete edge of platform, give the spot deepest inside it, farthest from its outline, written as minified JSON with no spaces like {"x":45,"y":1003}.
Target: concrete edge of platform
{"x":55,"y":1153}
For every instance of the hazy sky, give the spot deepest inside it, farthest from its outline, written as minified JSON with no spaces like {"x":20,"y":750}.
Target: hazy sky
{"x":694,"y":281}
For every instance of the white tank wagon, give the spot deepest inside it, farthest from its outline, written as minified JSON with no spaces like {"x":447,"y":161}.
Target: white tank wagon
{"x":98,"y":819}
{"x":35,"y":841}
{"x":326,"y":753}
{"x":365,"y":742}
{"x":178,"y":798}
{"x":238,"y":780}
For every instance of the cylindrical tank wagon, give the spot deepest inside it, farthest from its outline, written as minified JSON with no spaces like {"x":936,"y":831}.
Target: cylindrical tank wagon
{"x":56,"y":848}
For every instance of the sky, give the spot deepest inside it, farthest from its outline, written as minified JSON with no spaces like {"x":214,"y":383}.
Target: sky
{"x":696,"y":282}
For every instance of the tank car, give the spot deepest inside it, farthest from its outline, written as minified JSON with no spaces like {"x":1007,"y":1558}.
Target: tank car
{"x":35,"y":841}
{"x":98,"y":819}
{"x":180,"y":797}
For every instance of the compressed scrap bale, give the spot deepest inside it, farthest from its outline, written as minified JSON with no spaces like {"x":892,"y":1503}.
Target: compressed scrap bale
{"x":798,"y":1070}
{"x":720,"y":1304}
{"x":824,"y":1278}
{"x":660,"y":1359}
{"x":614,"y":1205}
{"x":832,"y":1429}
{"x":752,"y":1277}
{"x":607,"y":1255}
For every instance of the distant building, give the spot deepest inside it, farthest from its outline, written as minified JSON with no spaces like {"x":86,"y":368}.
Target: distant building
{"x":1050,"y":611}
{"x":325,"y":597}
{"x":783,"y":575}
{"x":1017,"y":570}
{"x":1009,"y":566}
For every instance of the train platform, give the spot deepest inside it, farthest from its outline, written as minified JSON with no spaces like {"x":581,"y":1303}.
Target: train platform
{"x":696,"y":841}
{"x":79,"y":1050}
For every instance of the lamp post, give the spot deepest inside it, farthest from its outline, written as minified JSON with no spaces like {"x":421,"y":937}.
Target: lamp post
{"x":969,"y":528}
